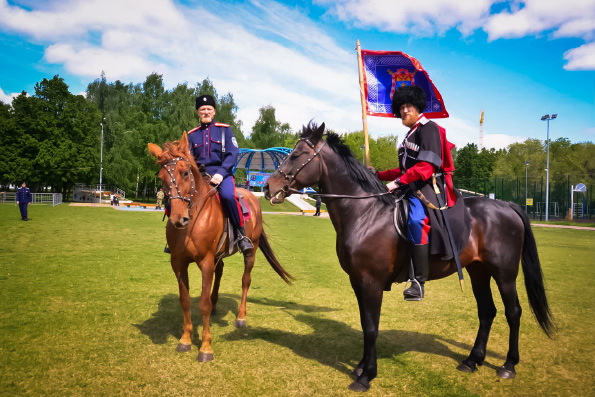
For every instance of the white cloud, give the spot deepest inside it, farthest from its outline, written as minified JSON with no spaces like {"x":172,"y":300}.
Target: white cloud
{"x":427,"y":19}
{"x":581,"y":58}
{"x":569,"y":19}
{"x":7,"y":98}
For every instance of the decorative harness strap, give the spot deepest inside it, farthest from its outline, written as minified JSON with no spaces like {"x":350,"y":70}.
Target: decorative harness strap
{"x":170,"y":168}
{"x":290,"y":177}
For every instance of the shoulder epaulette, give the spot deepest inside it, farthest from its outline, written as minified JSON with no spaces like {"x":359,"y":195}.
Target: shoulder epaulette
{"x":221,"y":124}
{"x":192,"y":130}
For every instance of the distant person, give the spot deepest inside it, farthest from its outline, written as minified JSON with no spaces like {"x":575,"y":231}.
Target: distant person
{"x":116,"y":201}
{"x":318,"y":204}
{"x":160,"y":197}
{"x":23,"y":200}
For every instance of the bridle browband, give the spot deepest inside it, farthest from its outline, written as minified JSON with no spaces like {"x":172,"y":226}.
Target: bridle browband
{"x":170,"y":168}
{"x":291,"y":176}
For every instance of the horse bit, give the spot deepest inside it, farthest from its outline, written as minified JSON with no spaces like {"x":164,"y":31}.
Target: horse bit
{"x":170,"y":168}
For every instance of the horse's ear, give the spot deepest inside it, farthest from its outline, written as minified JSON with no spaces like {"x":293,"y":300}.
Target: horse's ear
{"x":183,"y":147}
{"x":317,"y":135}
{"x":155,"y":150}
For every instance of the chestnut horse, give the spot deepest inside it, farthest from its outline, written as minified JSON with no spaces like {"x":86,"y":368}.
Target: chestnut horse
{"x":194,"y":230}
{"x":374,"y":256}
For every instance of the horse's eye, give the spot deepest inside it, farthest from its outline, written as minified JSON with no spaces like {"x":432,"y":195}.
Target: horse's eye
{"x":185,"y":174}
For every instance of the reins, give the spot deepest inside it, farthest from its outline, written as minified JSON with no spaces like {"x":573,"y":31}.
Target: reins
{"x":291,"y":176}
{"x":292,"y":190}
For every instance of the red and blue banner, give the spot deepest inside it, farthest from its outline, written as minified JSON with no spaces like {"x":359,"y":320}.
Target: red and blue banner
{"x":384,"y":71}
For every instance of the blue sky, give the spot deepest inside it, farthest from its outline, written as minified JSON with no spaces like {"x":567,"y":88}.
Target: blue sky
{"x":516,"y":60}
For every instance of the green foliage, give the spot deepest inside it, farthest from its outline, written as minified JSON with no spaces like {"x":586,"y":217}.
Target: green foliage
{"x":97,"y":313}
{"x":383,"y":151}
{"x":269,"y":132}
{"x":50,"y":138}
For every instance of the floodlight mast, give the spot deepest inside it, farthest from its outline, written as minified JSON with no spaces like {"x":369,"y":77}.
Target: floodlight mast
{"x":547,"y":118}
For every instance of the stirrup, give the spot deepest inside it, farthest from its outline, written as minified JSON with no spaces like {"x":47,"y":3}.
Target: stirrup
{"x":414,"y":298}
{"x":248,"y":246}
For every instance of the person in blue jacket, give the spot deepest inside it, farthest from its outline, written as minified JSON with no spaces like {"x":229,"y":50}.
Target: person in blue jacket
{"x":23,"y":200}
{"x":213,"y":145}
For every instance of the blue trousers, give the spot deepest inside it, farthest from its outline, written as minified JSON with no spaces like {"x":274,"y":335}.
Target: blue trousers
{"x":231,"y":207}
{"x":418,"y":226}
{"x":23,"y":208}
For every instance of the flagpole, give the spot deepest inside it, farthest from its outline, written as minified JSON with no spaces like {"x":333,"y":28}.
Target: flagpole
{"x":363,"y":99}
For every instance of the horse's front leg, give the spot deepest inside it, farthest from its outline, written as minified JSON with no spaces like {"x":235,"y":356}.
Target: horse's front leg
{"x":369,"y":298}
{"x":207,"y":267}
{"x":246,"y":281}
{"x":180,"y":269}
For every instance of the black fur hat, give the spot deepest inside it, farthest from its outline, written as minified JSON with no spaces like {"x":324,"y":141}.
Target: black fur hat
{"x":205,"y":100}
{"x":409,"y":94}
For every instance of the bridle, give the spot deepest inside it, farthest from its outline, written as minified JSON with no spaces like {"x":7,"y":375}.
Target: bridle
{"x":170,"y":167}
{"x":291,"y":176}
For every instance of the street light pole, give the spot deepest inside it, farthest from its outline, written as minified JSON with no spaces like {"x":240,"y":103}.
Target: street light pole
{"x":547,"y":170}
{"x":101,"y":161}
{"x":526,"y":166}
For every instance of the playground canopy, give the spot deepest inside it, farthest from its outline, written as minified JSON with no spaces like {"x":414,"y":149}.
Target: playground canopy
{"x":261,"y":160}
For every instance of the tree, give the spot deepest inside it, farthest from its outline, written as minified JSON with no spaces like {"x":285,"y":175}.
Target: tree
{"x":269,"y":132}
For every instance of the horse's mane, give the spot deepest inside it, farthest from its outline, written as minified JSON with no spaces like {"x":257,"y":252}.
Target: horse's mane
{"x":356,"y":170}
{"x":171,"y":150}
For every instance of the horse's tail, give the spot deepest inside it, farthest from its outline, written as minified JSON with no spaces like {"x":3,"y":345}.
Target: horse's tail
{"x":534,"y":277}
{"x":268,"y":253}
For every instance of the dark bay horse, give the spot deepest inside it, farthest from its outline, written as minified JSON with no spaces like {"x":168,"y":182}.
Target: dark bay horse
{"x":193,"y":232}
{"x":374,"y":256}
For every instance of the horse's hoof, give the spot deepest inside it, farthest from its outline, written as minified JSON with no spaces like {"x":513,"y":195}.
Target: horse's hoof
{"x":182,"y":348}
{"x":356,"y":372}
{"x":355,"y":386}
{"x":465,"y":368}
{"x":504,"y":373}
{"x":204,"y":357}
{"x":240,"y":323}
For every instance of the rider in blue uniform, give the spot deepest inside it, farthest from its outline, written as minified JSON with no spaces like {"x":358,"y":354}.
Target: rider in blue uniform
{"x":213,"y":145}
{"x":23,"y":200}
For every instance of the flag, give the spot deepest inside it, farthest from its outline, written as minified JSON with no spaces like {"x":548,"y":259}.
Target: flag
{"x":384,"y":71}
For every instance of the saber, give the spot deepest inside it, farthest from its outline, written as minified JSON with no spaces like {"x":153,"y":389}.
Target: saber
{"x":449,"y":231}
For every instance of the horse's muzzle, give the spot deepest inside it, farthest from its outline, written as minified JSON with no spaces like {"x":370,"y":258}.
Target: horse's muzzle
{"x":182,"y":223}
{"x":277,"y":198}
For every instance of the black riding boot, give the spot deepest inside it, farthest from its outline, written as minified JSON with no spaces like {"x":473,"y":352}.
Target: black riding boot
{"x":244,"y":243}
{"x":421,"y":267}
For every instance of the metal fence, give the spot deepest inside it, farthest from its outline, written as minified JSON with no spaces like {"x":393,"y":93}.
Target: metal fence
{"x":533,"y":189}
{"x":36,"y":198}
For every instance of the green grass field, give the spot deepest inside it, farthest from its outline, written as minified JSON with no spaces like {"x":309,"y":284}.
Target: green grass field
{"x":89,"y":306}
